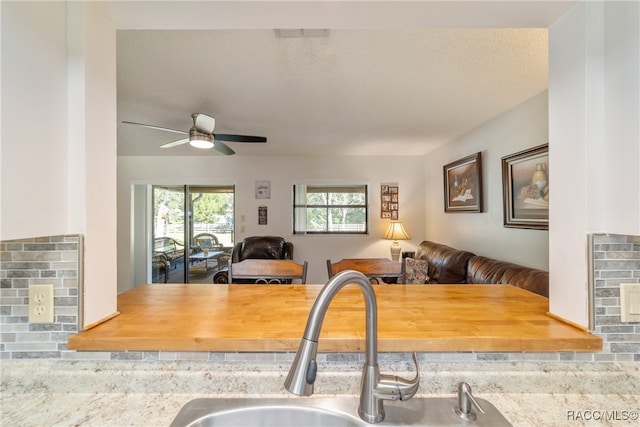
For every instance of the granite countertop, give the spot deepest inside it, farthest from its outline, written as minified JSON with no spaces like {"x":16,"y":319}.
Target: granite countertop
{"x":61,"y":393}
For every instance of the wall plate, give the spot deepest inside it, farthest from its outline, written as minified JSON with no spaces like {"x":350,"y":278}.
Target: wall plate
{"x":41,"y":304}
{"x":630,"y":302}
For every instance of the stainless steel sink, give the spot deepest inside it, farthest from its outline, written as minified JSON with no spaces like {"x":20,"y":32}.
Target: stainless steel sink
{"x":324,"y":412}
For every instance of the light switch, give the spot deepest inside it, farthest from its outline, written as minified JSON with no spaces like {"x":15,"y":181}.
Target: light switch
{"x":630,"y":302}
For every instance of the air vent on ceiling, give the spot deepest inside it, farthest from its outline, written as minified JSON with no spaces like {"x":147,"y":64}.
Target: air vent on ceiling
{"x":284,"y":33}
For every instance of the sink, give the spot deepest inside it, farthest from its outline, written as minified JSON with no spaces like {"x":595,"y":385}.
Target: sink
{"x":327,"y":411}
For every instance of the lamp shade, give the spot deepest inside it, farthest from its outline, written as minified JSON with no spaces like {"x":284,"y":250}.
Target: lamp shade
{"x":396,"y":232}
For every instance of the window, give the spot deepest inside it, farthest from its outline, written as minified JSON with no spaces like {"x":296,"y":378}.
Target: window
{"x":330,"y":209}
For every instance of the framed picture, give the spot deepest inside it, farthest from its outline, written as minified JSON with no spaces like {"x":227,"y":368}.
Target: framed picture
{"x":262,"y":215}
{"x":263,"y":189}
{"x":389,"y":201}
{"x":525,"y":188}
{"x":463,"y":185}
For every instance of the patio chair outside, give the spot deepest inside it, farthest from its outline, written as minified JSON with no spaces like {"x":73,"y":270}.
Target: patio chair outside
{"x":206,"y":241}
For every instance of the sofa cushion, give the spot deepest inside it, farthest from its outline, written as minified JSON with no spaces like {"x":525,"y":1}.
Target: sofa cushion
{"x":483,"y":270}
{"x":446,"y":264}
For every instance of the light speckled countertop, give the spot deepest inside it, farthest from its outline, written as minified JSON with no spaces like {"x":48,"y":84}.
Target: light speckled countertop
{"x":61,"y":393}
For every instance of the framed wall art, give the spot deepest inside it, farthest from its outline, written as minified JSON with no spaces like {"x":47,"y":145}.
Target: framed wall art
{"x":389,"y":201}
{"x":263,"y":189}
{"x":262,"y":215}
{"x":525,"y":188}
{"x":463,"y":184}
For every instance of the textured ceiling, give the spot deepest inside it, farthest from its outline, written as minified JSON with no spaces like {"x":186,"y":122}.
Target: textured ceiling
{"x":354,"y":92}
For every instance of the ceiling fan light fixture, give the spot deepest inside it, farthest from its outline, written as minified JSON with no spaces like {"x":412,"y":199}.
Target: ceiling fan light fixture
{"x":201,"y":141}
{"x":201,"y":135}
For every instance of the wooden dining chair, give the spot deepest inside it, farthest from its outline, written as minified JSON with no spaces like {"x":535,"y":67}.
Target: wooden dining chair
{"x":376,"y":269}
{"x":267,"y":271}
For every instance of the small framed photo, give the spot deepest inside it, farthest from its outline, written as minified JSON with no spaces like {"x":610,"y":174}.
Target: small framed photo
{"x":262,"y":215}
{"x":525,"y":188}
{"x":263,"y":189}
{"x":389,"y":201}
{"x":463,"y":184}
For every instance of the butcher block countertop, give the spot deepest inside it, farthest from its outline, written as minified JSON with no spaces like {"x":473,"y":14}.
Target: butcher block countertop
{"x":265,"y":318}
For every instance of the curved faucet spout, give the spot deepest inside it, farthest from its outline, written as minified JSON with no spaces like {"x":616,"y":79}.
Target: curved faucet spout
{"x":302,"y":373}
{"x":375,"y":387}
{"x":326,"y":295}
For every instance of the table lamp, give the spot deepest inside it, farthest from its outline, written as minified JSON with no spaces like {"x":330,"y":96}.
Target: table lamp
{"x":395,"y":232}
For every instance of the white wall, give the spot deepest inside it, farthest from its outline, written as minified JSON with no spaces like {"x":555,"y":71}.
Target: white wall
{"x":283,"y":172}
{"x":92,"y":152}
{"x":594,"y":135}
{"x":33,"y":181}
{"x":58,"y":134}
{"x":483,"y":233}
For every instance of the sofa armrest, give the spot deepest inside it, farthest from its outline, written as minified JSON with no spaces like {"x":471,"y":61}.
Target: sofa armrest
{"x":287,"y":250}
{"x":235,"y":252}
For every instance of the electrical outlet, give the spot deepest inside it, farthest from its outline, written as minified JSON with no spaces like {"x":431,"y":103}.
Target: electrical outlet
{"x":41,"y":304}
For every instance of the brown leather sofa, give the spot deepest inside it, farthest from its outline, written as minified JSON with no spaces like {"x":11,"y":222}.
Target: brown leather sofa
{"x":448,"y":265}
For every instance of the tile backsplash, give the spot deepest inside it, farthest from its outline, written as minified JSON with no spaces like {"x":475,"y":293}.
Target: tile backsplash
{"x":57,"y":260}
{"x":616,"y":259}
{"x":54,"y":260}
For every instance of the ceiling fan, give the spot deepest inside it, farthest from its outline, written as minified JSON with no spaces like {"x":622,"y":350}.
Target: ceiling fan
{"x":201,"y":135}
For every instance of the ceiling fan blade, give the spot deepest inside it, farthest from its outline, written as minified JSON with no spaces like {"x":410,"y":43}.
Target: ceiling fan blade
{"x":223,"y":148}
{"x":238,"y":138}
{"x":175,"y":143}
{"x":156,"y":127}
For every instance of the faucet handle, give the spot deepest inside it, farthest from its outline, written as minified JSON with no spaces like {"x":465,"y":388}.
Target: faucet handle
{"x":392,"y":387}
{"x":465,"y":403}
{"x":408,"y":388}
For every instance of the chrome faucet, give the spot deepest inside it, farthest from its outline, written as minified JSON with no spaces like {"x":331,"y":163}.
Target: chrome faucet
{"x":376,"y":387}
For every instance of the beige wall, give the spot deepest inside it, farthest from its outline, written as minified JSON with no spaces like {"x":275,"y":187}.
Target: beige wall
{"x":523,"y":127}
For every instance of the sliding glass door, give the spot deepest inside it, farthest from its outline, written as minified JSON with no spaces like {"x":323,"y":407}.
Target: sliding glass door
{"x":192,"y":225}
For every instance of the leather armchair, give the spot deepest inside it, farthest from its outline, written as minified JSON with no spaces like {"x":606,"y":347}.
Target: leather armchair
{"x":262,"y":247}
{"x":256,"y":247}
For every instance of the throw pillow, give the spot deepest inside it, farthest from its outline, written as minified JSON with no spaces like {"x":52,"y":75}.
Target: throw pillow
{"x":416,"y":271}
